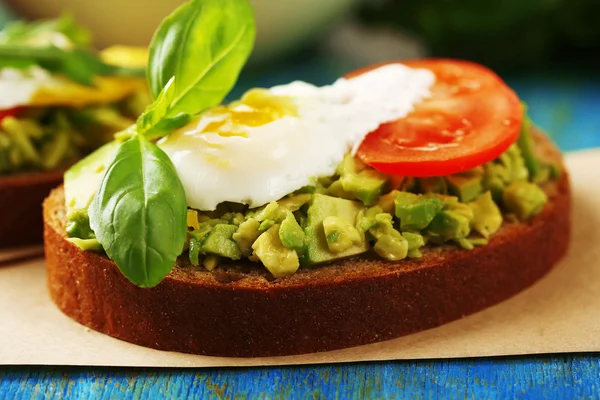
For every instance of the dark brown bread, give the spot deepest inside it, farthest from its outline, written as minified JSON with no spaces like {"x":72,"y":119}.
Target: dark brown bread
{"x":241,"y":312}
{"x":21,"y":198}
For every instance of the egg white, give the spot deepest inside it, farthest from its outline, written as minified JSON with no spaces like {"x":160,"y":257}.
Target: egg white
{"x":289,"y":153}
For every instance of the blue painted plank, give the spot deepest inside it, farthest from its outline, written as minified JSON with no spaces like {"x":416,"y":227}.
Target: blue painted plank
{"x":557,"y":377}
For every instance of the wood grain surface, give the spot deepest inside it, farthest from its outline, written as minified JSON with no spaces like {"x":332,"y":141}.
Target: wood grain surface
{"x":550,"y":377}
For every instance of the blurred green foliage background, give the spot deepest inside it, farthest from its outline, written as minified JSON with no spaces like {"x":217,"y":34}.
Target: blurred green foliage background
{"x":503,"y":34}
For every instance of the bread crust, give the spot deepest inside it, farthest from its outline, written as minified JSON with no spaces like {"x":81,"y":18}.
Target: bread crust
{"x":21,"y":198}
{"x":238,"y":311}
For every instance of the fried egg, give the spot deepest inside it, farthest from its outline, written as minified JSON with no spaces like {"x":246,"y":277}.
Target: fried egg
{"x":275,"y":141}
{"x":36,"y":87}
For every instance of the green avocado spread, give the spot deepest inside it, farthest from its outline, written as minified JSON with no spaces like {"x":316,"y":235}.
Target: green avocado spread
{"x":358,"y":210}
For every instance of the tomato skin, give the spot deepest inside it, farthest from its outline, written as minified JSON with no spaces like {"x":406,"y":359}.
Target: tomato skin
{"x":11,"y":112}
{"x":471,"y":118}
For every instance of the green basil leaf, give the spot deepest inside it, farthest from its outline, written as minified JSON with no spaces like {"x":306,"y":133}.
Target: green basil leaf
{"x":154,"y":122}
{"x":203,"y":44}
{"x":139,"y":212}
{"x":80,"y":65}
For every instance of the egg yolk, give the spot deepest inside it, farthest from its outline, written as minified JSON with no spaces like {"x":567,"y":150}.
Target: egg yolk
{"x":256,"y":107}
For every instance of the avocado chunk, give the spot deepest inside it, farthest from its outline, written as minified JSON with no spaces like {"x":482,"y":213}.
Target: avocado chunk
{"x":79,"y":225}
{"x":416,"y":211}
{"x":220,"y":242}
{"x":447,"y":225}
{"x":466,"y":186}
{"x":514,"y":162}
{"x":487,"y":217}
{"x":366,"y":186}
{"x":340,"y":234}
{"x":278,"y":259}
{"x":291,"y":234}
{"x":87,"y":244}
{"x":391,"y":247}
{"x":415,"y":242}
{"x":246,"y":234}
{"x":82,"y":179}
{"x":323,"y":206}
{"x":211,"y":261}
{"x":525,"y":143}
{"x":524,"y":199}
{"x":357,"y":181}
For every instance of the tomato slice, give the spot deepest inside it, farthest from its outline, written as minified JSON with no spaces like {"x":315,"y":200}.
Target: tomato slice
{"x":11,"y":112}
{"x":470,"y":118}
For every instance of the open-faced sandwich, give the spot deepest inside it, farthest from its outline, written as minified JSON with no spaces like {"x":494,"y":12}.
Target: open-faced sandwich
{"x":59,"y":101}
{"x":300,"y":218}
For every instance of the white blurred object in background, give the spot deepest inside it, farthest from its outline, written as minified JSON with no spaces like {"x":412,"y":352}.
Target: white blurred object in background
{"x":282,"y":25}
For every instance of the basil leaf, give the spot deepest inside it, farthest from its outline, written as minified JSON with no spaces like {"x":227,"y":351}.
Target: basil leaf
{"x":154,"y":122}
{"x":78,"y":64}
{"x":139,"y":212}
{"x":203,"y":44}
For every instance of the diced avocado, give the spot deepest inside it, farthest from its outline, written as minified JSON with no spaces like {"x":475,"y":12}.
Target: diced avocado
{"x":387,"y":202}
{"x":292,"y":204}
{"x":82,"y":179}
{"x":517,"y":168}
{"x":211,"y":261}
{"x":415,"y":242}
{"x":340,"y":234}
{"x":350,"y":166}
{"x":233,"y":218}
{"x":465,"y":186}
{"x":449,"y":225}
{"x":266,"y":224}
{"x":87,"y":244}
{"x":366,"y":218}
{"x":487,"y":217}
{"x":220,"y":242}
{"x":366,"y":186}
{"x":543,"y":174}
{"x":291,"y":234}
{"x":246,"y":234}
{"x":524,"y":199}
{"x":384,"y":225}
{"x":277,"y":258}
{"x":321,"y":207}
{"x":416,"y":212}
{"x":525,"y":143}
{"x":78,"y":225}
{"x":470,"y":243}
{"x":266,"y":212}
{"x":391,"y":247}
{"x":462,"y":209}
{"x":434,"y":184}
{"x":337,"y":190}
{"x":555,"y":171}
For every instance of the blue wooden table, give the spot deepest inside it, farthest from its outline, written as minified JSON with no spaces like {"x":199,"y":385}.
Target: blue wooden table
{"x":567,"y":105}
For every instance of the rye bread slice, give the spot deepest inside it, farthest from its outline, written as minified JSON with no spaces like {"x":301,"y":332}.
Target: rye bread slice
{"x":21,"y":198}
{"x":241,"y":311}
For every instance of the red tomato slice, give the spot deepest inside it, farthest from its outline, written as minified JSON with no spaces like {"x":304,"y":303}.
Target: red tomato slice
{"x":470,"y":118}
{"x":11,"y":112}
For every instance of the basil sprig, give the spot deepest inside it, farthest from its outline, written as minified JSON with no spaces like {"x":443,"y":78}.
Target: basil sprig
{"x":204,"y":44}
{"x":139,"y":213}
{"x":23,"y":45}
